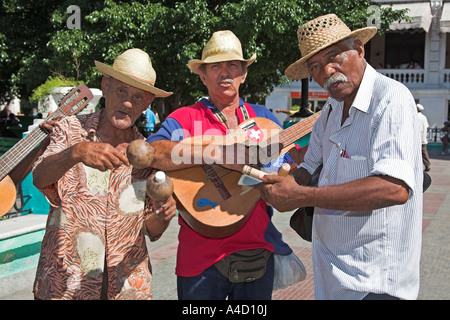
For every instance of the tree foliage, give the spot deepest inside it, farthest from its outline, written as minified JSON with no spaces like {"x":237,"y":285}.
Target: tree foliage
{"x":171,"y":32}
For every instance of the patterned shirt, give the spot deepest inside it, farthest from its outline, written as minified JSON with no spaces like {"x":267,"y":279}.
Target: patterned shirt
{"x":374,"y":251}
{"x":95,"y":218}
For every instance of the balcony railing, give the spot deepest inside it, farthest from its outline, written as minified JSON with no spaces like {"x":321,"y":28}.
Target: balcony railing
{"x":412,"y":78}
{"x":409,"y":77}
{"x":445,"y":77}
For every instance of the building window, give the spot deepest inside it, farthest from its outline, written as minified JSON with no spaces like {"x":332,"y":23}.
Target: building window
{"x":403,"y":49}
{"x":448,"y":110}
{"x":447,"y":51}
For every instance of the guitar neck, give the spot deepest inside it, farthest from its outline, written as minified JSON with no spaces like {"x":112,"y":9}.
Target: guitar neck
{"x":11,"y":158}
{"x":289,"y":135}
{"x":72,"y":103}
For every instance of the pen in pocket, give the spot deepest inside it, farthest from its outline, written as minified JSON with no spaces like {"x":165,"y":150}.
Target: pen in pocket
{"x":344,"y":154}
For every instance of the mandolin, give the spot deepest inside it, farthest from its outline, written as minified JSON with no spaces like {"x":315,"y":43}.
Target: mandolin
{"x":71,"y":104}
{"x":210,"y":199}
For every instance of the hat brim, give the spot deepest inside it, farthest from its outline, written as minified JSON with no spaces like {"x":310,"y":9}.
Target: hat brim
{"x":299,"y":69}
{"x":194,"y":64}
{"x":111,"y":72}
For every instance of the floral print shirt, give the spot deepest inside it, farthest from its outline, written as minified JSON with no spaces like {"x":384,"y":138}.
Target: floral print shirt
{"x":96,"y":222}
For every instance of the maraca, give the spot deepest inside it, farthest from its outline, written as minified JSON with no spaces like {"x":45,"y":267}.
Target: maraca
{"x":159,"y":186}
{"x":140,"y":154}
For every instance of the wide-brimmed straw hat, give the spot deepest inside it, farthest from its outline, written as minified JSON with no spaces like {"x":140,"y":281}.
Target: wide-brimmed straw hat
{"x":319,"y":34}
{"x":133,"y":67}
{"x":223,"y":46}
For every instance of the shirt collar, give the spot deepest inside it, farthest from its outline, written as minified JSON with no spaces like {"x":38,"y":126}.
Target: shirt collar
{"x":365,"y":90}
{"x":207,"y":102}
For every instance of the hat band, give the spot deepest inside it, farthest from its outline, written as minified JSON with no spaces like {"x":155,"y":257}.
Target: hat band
{"x":142,"y":80}
{"x":221,"y":51}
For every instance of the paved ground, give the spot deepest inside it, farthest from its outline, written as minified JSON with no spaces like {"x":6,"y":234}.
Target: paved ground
{"x":435,"y":278}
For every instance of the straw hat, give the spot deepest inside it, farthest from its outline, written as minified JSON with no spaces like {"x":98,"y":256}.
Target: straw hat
{"x":319,"y":34}
{"x":133,"y":67}
{"x":223,"y":46}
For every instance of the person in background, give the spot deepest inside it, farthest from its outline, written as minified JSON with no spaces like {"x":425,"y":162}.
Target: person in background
{"x":149,"y":122}
{"x":424,"y":132}
{"x":445,"y":137}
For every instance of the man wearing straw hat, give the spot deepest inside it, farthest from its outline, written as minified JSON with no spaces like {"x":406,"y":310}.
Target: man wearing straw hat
{"x":94,"y":245}
{"x":222,"y":70}
{"x":366,"y":234}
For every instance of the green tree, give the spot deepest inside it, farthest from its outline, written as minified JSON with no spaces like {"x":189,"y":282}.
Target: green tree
{"x":23,"y":35}
{"x":26,"y":29}
{"x":172,"y":33}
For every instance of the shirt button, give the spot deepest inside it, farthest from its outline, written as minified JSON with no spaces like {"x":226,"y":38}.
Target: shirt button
{"x":326,"y":177}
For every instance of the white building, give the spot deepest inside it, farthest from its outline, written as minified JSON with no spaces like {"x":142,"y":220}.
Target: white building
{"x":424,"y":39}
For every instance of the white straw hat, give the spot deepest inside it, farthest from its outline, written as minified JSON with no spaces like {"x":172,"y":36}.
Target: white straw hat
{"x":223,"y":46}
{"x":318,"y":34}
{"x":133,"y":67}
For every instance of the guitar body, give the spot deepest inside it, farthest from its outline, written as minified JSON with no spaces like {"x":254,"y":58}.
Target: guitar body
{"x":210,"y":199}
{"x":220,"y":218}
{"x":8,"y":194}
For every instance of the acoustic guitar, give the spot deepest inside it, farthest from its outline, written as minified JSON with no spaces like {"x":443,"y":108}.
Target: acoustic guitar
{"x":210,"y":199}
{"x":72,"y":103}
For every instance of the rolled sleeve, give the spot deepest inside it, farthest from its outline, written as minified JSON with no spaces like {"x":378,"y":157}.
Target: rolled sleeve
{"x":398,"y":169}
{"x":396,"y":141}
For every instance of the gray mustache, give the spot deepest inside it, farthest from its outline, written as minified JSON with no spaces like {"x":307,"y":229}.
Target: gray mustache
{"x":333,"y":79}
{"x":231,"y":81}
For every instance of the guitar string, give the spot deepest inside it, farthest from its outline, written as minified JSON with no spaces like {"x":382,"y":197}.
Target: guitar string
{"x":11,"y":158}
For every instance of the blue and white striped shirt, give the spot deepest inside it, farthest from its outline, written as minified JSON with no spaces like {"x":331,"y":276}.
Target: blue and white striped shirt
{"x":376,"y":251}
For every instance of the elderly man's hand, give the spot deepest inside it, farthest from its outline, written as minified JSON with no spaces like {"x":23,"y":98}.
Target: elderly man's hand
{"x":281,"y":192}
{"x":49,"y":124}
{"x":101,"y":156}
{"x":165,"y":211}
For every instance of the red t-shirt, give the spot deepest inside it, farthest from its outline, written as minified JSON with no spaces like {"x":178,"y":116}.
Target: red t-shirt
{"x":195,"y":251}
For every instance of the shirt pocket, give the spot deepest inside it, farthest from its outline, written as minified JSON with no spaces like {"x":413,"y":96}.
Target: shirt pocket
{"x":351,"y":169}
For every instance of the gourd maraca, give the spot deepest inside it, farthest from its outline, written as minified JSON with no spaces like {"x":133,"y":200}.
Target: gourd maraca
{"x":140,"y":154}
{"x":159,"y":186}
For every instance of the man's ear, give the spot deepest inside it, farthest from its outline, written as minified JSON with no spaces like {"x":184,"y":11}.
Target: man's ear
{"x":150,"y":98}
{"x":244,"y":72}
{"x":105,"y":83}
{"x":359,"y":47}
{"x":202,"y":76}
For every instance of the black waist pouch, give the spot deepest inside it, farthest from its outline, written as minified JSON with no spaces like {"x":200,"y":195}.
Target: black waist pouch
{"x":244,"y":266}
